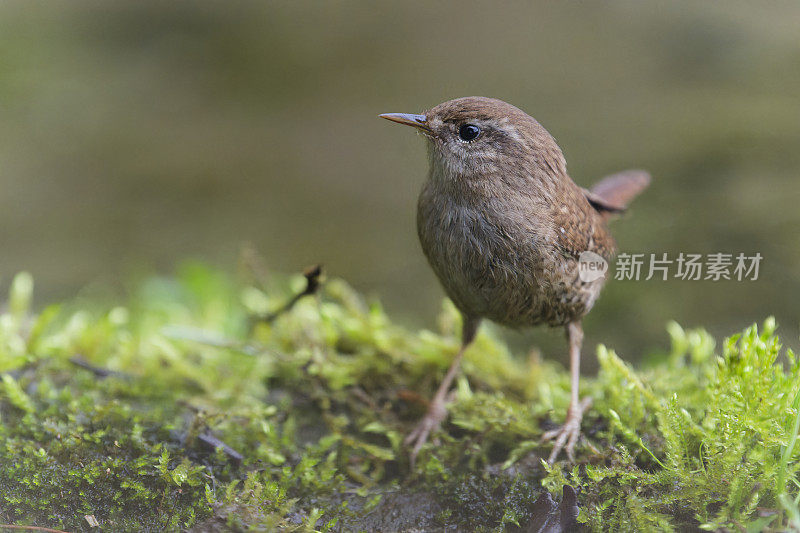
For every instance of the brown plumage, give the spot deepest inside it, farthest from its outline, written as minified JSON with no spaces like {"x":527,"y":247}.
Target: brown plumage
{"x":503,"y":227}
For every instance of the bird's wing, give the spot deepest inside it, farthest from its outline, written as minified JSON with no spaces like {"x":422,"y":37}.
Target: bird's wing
{"x":613,"y":193}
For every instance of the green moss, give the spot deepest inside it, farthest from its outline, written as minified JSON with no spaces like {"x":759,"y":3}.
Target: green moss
{"x":178,"y":415}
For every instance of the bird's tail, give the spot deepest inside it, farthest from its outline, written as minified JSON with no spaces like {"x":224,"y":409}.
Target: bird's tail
{"x":613,"y":193}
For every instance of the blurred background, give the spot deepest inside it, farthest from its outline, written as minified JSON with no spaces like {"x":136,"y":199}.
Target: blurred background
{"x":136,"y":134}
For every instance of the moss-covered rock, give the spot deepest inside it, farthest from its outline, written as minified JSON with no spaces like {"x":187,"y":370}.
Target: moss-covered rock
{"x":170,"y":412}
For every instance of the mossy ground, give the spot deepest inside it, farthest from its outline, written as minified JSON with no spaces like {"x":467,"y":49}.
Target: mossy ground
{"x":169,"y":412}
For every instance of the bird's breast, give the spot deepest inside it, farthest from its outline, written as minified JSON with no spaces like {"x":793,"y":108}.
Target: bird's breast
{"x":496,"y":262}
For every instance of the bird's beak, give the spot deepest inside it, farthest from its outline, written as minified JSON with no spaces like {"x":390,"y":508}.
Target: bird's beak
{"x":418,"y":121}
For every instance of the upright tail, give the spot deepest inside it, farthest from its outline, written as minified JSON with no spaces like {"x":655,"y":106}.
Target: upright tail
{"x":613,"y":193}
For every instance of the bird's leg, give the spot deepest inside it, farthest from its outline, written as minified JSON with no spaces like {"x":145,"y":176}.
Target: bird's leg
{"x":567,"y":435}
{"x":437,"y":409}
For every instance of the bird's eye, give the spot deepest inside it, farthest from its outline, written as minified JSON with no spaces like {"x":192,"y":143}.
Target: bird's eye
{"x":469,"y":132}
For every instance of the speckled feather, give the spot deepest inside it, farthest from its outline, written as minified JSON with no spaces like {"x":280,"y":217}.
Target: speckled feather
{"x":502,"y":223}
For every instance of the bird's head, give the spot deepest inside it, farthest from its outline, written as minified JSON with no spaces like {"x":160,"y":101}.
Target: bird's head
{"x":476,"y":137}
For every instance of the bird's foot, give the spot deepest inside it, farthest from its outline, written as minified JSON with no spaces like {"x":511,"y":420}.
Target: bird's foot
{"x":567,"y":435}
{"x":436,"y":414}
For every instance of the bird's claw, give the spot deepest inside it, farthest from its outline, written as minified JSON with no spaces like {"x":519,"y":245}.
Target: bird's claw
{"x":567,"y":435}
{"x":429,"y":423}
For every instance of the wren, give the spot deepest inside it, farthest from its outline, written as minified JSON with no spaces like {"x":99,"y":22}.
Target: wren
{"x":503,"y":227}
